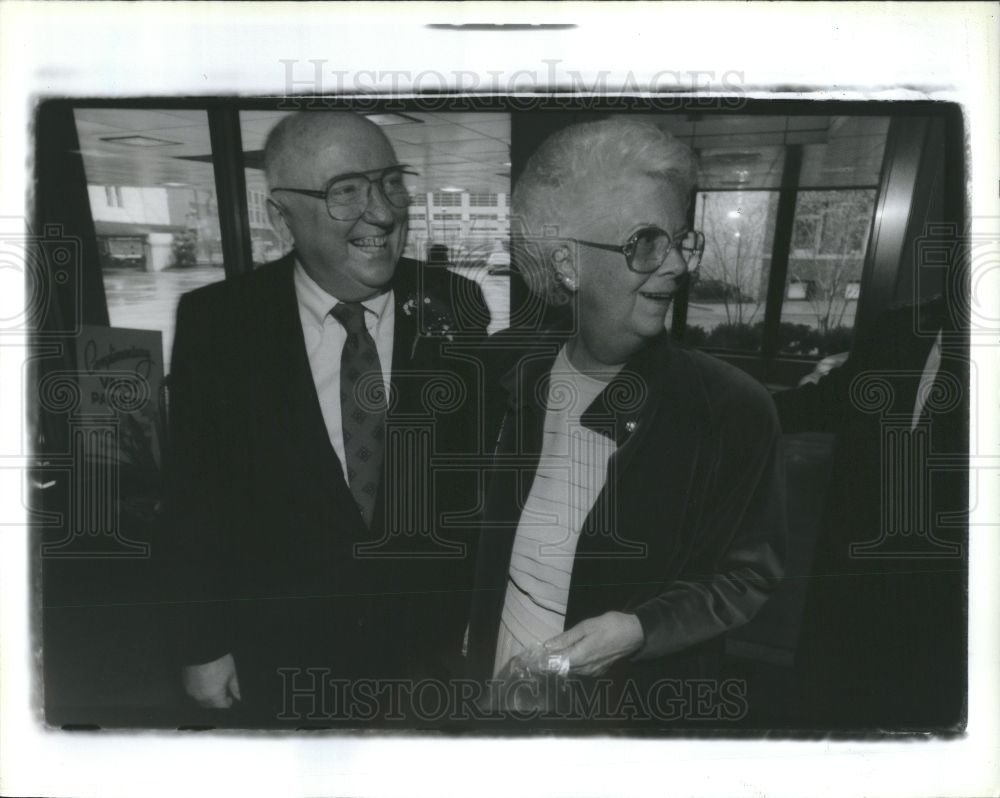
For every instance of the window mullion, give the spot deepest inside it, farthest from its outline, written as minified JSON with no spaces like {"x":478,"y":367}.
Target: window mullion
{"x":784,"y":224}
{"x":230,"y":190}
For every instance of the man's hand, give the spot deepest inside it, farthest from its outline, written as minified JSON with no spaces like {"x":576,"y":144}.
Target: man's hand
{"x":594,"y":644}
{"x":214,"y":684}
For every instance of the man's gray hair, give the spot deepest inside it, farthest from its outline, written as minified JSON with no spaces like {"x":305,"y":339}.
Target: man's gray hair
{"x":562,"y":179}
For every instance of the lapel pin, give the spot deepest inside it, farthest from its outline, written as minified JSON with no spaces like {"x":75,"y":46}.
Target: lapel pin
{"x":631,"y":425}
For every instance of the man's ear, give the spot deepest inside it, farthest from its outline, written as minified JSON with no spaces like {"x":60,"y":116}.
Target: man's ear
{"x":276,"y":215}
{"x":564,"y":266}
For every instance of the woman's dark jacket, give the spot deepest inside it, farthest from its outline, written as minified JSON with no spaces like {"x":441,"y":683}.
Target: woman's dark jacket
{"x":689,"y":531}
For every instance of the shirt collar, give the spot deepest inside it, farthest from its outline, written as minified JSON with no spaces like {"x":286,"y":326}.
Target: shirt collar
{"x":317,"y":303}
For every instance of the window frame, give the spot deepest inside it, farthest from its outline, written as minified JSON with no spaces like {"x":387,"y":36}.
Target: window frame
{"x":898,"y":176}
{"x":900,"y":186}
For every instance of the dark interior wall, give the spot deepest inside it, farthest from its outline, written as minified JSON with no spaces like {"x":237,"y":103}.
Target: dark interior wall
{"x":62,"y":210}
{"x":938,"y":209}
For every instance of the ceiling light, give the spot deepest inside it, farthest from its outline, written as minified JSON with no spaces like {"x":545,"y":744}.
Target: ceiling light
{"x":385,"y":120}
{"x":452,"y":189}
{"x":735,"y":160}
{"x":139,"y":141}
{"x":734,"y":214}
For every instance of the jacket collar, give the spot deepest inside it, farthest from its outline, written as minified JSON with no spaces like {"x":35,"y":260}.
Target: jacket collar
{"x":289,"y":277}
{"x":629,"y":399}
{"x":315,"y":303}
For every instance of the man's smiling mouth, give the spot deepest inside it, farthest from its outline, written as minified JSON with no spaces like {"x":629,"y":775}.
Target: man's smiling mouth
{"x":370,"y":244}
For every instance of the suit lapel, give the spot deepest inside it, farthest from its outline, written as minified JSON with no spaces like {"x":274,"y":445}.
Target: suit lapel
{"x":298,"y":404}
{"x":629,"y":403}
{"x":624,"y":411}
{"x":400,"y":397}
{"x":656,"y":399}
{"x":293,"y":395}
{"x":405,"y":340}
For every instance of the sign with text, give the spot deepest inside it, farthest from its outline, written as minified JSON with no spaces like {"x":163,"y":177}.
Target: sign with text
{"x":121,"y":381}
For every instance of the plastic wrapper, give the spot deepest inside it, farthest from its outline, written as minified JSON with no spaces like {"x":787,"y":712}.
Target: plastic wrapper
{"x":532,"y":681}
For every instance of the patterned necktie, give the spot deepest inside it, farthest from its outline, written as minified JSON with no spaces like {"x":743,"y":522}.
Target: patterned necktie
{"x":362,"y":407}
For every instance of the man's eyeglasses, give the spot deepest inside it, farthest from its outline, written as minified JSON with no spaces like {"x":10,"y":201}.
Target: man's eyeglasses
{"x":348,"y":196}
{"x":649,"y":247}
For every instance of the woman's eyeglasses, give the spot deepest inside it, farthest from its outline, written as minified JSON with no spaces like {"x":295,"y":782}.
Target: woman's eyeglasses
{"x":348,"y":196}
{"x":649,"y":247}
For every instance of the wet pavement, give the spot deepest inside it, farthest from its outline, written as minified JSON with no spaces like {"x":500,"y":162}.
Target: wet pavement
{"x":143,"y":300}
{"x":148,"y":300}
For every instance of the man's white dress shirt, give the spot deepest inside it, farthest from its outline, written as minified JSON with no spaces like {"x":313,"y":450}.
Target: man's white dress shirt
{"x":325,"y":338}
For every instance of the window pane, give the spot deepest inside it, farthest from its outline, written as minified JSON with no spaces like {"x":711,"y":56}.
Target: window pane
{"x":267,"y":243}
{"x":740,"y":155}
{"x":829,"y":239}
{"x":850,"y":156}
{"x":726,"y":305}
{"x":747,"y":151}
{"x":746,"y":167}
{"x":463,"y":161}
{"x":152,"y":196}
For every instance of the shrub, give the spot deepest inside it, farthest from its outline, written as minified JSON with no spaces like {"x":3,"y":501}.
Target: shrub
{"x":695,"y":336}
{"x":837,"y":339}
{"x":738,"y":335}
{"x":793,"y":339}
{"x":185,"y":249}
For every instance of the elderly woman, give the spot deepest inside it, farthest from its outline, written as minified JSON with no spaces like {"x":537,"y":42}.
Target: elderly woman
{"x":635,"y":510}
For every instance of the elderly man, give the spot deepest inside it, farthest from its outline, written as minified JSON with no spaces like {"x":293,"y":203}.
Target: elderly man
{"x":309,"y":538}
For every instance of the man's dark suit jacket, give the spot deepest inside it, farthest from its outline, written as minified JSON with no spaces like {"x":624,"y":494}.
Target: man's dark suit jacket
{"x":689,"y":530}
{"x":263,"y":533}
{"x":883,"y":641}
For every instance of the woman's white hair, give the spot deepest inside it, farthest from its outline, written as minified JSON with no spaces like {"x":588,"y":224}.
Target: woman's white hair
{"x":562,"y":179}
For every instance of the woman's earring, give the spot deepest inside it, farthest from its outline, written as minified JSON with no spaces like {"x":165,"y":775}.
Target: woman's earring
{"x":559,"y":256}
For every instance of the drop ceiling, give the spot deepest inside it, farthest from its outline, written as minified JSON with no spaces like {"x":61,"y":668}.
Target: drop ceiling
{"x":466,"y":150}
{"x":470,"y":151}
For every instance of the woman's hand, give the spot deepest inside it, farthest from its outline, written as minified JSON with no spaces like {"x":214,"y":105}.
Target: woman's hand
{"x":214,"y":684}
{"x":594,"y":644}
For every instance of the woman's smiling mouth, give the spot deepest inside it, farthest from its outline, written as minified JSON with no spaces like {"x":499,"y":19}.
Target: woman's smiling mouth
{"x":658,"y":296}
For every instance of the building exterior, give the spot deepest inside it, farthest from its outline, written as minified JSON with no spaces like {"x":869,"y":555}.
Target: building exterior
{"x":137,"y":226}
{"x":472,"y":225}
